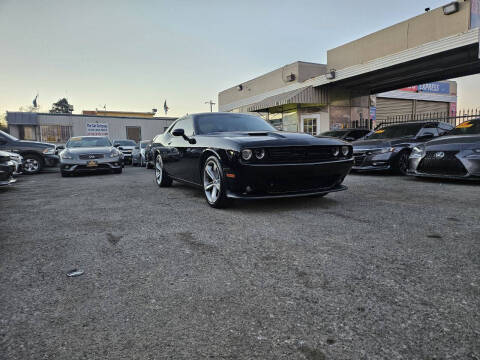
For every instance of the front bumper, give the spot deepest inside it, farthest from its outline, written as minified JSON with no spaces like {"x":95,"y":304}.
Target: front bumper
{"x":76,"y":165}
{"x":51,"y":160}
{"x":6,"y":173}
{"x":262,"y":181}
{"x":372,"y":162}
{"x":464,"y":167}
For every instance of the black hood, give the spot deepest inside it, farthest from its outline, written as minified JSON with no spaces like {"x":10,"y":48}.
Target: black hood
{"x":36,"y":144}
{"x":382,"y":143}
{"x":277,"y":138}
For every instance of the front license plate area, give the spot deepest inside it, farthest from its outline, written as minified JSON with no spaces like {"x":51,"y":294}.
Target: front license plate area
{"x":92,"y":163}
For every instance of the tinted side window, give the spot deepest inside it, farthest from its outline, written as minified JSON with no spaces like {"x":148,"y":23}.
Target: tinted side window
{"x":186,"y":124}
{"x":425,"y":130}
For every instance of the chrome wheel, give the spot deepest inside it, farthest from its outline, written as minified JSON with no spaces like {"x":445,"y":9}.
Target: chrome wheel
{"x":158,"y":170}
{"x":31,"y":165}
{"x":211,"y":181}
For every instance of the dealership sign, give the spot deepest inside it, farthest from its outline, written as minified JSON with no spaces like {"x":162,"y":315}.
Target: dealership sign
{"x":434,"y":87}
{"x":96,"y":129}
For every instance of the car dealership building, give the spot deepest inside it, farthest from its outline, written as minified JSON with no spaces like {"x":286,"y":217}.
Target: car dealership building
{"x":308,"y":109}
{"x":58,"y":128}
{"x":402,"y":70}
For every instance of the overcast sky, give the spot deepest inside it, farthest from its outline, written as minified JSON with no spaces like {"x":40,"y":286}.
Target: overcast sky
{"x":132,"y":55}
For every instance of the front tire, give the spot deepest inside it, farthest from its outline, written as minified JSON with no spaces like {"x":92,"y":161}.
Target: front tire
{"x":214,"y":184}
{"x":401,"y":163}
{"x":161,"y":177}
{"x":32,"y":164}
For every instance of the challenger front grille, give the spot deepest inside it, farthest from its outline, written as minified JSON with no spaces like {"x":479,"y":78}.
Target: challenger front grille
{"x":299,"y":154}
{"x":91,"y":156}
{"x":447,"y":165}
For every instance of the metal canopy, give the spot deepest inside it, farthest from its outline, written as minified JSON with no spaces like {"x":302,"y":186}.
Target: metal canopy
{"x":305,"y":95}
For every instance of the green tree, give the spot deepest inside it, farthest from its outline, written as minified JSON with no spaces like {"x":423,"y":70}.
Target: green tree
{"x":61,"y":107}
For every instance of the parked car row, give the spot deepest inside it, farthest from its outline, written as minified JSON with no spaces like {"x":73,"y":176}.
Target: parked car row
{"x":428,"y":149}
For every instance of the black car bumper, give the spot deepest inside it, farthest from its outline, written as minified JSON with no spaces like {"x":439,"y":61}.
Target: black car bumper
{"x":260,"y":181}
{"x":6,"y":174}
{"x":51,"y":160}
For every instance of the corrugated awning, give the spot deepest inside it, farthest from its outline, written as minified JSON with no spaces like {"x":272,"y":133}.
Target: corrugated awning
{"x":306,"y":95}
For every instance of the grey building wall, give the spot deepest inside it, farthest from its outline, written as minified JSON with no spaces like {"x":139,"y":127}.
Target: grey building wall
{"x":117,"y":126}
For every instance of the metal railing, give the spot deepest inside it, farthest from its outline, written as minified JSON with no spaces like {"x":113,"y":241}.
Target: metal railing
{"x":446,"y":117}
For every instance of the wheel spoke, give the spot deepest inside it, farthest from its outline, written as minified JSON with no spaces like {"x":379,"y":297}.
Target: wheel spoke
{"x":210,"y":173}
{"x":209,"y":186}
{"x":214,"y":193}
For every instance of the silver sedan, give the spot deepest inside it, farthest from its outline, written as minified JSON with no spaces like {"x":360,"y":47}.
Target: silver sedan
{"x":89,"y":154}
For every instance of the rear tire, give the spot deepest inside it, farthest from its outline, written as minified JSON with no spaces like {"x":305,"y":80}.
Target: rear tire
{"x":161,"y":177}
{"x":214,"y":184}
{"x":400,"y":165}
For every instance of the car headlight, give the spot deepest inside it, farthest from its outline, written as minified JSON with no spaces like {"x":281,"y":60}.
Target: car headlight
{"x":66,"y":155}
{"x":418,"y":151}
{"x":246,"y":154}
{"x":345,"y":150}
{"x":114,"y":153}
{"x":49,"y":151}
{"x":259,"y":154}
{"x":335,"y":151}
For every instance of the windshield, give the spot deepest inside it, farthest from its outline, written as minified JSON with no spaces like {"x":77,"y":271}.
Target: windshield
{"x":208,"y":124}
{"x":467,"y":128}
{"x":79,"y":142}
{"x":338,"y":133}
{"x":125,"y":143}
{"x":8,"y":136}
{"x":396,"y":131}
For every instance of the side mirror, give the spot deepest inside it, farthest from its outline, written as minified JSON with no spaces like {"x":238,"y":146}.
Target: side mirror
{"x":137,"y":147}
{"x":427,"y":135}
{"x":349,"y":138}
{"x":60,"y":147}
{"x":178,"y":132}
{"x":116,"y":145}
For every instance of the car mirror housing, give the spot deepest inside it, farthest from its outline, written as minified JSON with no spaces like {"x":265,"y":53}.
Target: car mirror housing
{"x":116,"y":145}
{"x":178,"y":132}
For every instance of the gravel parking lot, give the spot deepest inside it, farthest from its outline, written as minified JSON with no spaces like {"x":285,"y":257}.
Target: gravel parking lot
{"x":389,"y":269}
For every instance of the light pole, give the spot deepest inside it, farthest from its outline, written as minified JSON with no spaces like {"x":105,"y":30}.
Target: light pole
{"x":211,"y":104}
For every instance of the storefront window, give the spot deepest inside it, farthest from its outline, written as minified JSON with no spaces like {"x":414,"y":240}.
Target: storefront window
{"x":29,"y":133}
{"x":276,"y":120}
{"x":310,"y":126}
{"x":55,"y":133}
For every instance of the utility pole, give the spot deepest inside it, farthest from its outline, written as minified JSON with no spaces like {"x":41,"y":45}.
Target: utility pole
{"x":211,"y":104}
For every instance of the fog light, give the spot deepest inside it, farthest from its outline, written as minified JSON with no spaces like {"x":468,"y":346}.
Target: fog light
{"x":248,"y":189}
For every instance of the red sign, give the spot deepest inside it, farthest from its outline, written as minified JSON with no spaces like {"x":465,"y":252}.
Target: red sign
{"x":411,"y":88}
{"x":453,"y":109}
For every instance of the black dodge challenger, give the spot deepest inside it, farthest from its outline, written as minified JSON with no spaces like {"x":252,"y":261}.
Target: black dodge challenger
{"x":240,"y":156}
{"x":456,"y":155}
